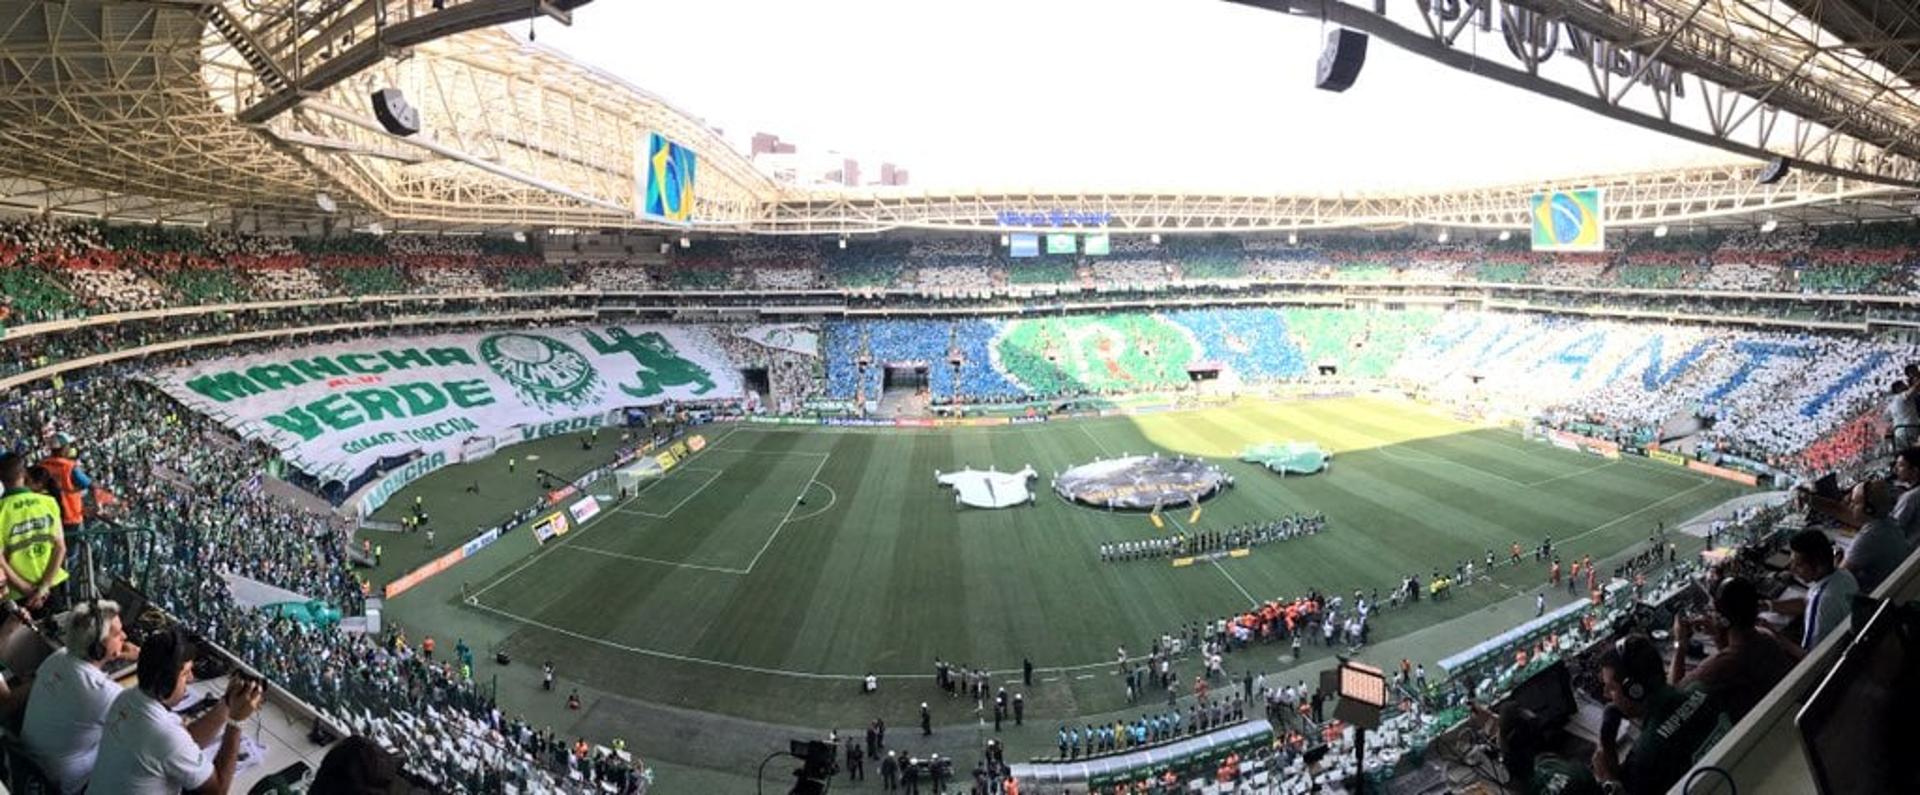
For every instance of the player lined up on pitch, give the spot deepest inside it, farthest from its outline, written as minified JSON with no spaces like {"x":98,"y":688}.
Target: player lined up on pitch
{"x":1240,"y":536}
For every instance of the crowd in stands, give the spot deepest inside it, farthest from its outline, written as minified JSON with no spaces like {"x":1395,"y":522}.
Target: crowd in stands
{"x":53,"y":270}
{"x":618,"y":279}
{"x":198,"y":492}
{"x":793,"y":378}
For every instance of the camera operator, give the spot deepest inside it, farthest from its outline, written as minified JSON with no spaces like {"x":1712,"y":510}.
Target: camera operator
{"x":147,"y":749}
{"x":1747,"y":660}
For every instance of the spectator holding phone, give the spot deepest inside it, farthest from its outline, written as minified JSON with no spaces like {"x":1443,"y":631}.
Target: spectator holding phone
{"x":1747,"y":660}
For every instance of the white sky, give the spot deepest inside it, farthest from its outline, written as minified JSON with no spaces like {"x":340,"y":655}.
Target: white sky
{"x":1085,"y":95}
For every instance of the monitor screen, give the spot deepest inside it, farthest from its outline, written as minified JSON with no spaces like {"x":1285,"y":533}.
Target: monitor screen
{"x":1857,"y":727}
{"x":1549,"y":694}
{"x":1058,"y":243}
{"x":1097,"y":245}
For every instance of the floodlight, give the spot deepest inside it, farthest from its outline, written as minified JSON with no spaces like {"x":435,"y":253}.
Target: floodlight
{"x":684,"y":242}
{"x":1444,"y":236}
{"x":1770,"y":225}
{"x":1506,"y":234}
{"x":1155,"y":238}
{"x":1293,"y":239}
{"x":1660,"y":231}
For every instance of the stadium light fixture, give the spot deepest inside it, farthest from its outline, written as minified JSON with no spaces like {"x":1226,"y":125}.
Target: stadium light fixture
{"x":1293,"y":239}
{"x":1155,"y":237}
{"x":843,"y":241}
{"x":1444,"y":237}
{"x":1006,"y":240}
{"x":1505,"y":235}
{"x":519,"y":237}
{"x":1770,"y":225}
{"x":1660,"y":231}
{"x":684,"y":242}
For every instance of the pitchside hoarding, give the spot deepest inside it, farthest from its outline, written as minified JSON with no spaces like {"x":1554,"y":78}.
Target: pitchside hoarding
{"x":335,"y":410}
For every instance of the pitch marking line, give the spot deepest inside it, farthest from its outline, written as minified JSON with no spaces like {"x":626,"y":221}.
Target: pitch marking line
{"x":1574,"y":474}
{"x":644,"y":559}
{"x":715,"y":475}
{"x":832,"y":498}
{"x":1643,"y":509}
{"x":1096,"y":440}
{"x":474,"y":598}
{"x":790,"y":509}
{"x":474,"y":602}
{"x":1216,"y":563}
{"x":1236,"y":583}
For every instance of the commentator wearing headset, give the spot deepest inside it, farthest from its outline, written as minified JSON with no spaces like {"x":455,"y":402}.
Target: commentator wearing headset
{"x":1675,"y":723}
{"x":67,"y":707}
{"x":147,"y":750}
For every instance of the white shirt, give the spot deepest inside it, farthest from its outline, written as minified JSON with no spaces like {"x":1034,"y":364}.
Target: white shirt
{"x":146,"y":750}
{"x":65,"y":714}
{"x":1829,"y":602}
{"x":1901,"y":411}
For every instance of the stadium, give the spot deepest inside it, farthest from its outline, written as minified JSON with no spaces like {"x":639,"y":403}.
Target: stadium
{"x":407,"y":396}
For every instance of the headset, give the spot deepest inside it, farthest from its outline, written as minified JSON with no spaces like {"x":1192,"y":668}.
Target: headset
{"x":87,"y":627}
{"x":1630,"y":685}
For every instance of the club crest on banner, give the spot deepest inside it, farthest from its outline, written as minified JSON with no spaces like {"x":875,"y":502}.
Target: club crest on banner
{"x":544,"y":371}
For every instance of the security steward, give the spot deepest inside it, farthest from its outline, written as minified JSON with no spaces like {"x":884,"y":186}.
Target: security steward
{"x":36,"y":549}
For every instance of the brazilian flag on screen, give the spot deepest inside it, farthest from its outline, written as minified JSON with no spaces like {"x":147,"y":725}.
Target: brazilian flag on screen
{"x":1567,"y":220}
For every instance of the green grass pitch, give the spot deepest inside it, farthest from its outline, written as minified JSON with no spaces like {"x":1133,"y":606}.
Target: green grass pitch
{"x":715,"y":589}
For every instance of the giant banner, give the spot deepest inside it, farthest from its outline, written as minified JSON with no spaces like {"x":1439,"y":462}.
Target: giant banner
{"x":335,"y":410}
{"x":794,"y":337}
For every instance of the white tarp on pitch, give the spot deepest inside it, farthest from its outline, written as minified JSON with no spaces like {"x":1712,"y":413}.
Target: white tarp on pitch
{"x":989,"y":489}
{"x":334,"y":410}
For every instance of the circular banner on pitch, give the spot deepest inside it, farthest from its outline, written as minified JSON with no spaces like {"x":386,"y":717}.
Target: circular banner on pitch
{"x":1141,"y":482}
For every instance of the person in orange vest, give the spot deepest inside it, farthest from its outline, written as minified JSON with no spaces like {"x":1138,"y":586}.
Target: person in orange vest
{"x":1554,"y":577}
{"x":69,"y":483}
{"x":426,"y":647}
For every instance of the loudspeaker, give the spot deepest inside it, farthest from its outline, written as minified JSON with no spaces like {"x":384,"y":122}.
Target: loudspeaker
{"x":391,"y":108}
{"x":1340,"y":62}
{"x":1775,"y":171}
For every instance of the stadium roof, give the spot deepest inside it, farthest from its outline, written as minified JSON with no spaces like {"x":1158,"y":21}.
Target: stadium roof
{"x":201,"y":111}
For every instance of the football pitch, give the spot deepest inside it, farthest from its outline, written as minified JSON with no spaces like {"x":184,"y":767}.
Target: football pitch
{"x":764,"y":576}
